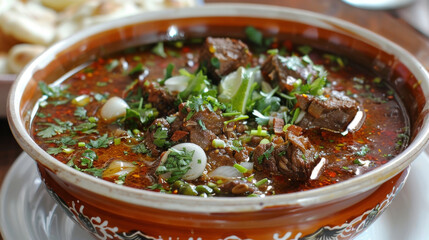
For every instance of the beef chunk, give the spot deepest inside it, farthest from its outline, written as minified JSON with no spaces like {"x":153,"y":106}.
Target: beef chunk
{"x":203,"y":127}
{"x":160,"y":98}
{"x":300,"y":157}
{"x":231,"y":53}
{"x":220,"y":157}
{"x":294,"y":159}
{"x":263,"y":158}
{"x":332,"y":113}
{"x":213,"y":121}
{"x":285,"y":71}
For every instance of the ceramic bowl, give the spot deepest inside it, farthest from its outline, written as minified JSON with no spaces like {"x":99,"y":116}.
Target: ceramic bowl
{"x":110,"y":211}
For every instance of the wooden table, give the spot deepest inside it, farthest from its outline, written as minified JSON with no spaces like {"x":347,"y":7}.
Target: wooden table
{"x":386,"y":23}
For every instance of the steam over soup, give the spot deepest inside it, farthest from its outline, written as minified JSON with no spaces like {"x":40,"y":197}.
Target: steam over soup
{"x":222,"y":117}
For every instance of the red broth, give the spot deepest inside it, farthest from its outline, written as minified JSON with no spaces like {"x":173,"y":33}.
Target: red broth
{"x":68,"y":125}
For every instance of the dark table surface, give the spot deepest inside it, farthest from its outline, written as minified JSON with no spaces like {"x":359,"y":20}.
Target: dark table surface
{"x":386,"y":23}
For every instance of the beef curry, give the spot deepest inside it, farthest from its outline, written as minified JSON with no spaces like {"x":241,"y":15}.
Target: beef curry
{"x":222,"y":117}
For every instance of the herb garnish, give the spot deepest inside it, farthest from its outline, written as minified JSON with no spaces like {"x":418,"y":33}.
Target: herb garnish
{"x":141,"y":148}
{"x":112,"y":65}
{"x":160,"y":136}
{"x":177,"y":164}
{"x":102,"y":142}
{"x":80,"y":112}
{"x":158,"y":49}
{"x":87,"y":158}
{"x":54,"y":129}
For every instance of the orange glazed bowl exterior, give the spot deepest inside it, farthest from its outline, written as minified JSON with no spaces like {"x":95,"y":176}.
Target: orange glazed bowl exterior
{"x":111,"y":211}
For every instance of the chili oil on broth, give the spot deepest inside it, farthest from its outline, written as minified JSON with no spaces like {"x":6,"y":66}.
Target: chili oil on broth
{"x":382,"y":136}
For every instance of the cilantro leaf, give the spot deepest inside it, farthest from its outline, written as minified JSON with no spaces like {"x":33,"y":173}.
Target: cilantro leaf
{"x":51,"y":91}
{"x":102,"y":142}
{"x":168,"y":73}
{"x":305,"y":49}
{"x":53,"y":129}
{"x":155,"y":186}
{"x":86,"y":127}
{"x":160,"y":136}
{"x":68,"y":140}
{"x":254,"y":35}
{"x":143,"y":114}
{"x":177,"y":164}
{"x":50,"y":131}
{"x":137,"y":69}
{"x":54,"y":151}
{"x":96,"y":172}
{"x":261,"y":119}
{"x":88,"y":157}
{"x":158,"y":49}
{"x":80,"y":112}
{"x":112,"y":65}
{"x":196,"y":84}
{"x":236,"y":145}
{"x":268,"y":102}
{"x":141,"y":148}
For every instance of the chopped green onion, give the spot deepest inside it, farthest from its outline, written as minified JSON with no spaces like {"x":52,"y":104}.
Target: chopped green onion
{"x":297,"y":83}
{"x":178,"y":44}
{"x":81,"y":100}
{"x":286,"y":127}
{"x":376,"y":80}
{"x":264,"y":141}
{"x":240,"y":168}
{"x":273,"y":51}
{"x":117,"y":141}
{"x":295,"y":115}
{"x":68,"y":150}
{"x":211,"y":185}
{"x":261,"y":182}
{"x":217,"y":143}
{"x":239,"y":118}
{"x":230,"y":114}
{"x":259,"y":132}
{"x":253,"y":195}
{"x":92,"y":119}
{"x":81,"y":144}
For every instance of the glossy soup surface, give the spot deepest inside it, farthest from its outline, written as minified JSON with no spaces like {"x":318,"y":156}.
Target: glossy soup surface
{"x":246,"y":136}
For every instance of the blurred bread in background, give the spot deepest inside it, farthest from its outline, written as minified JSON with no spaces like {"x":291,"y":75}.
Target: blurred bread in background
{"x":20,"y":54}
{"x":27,"y":27}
